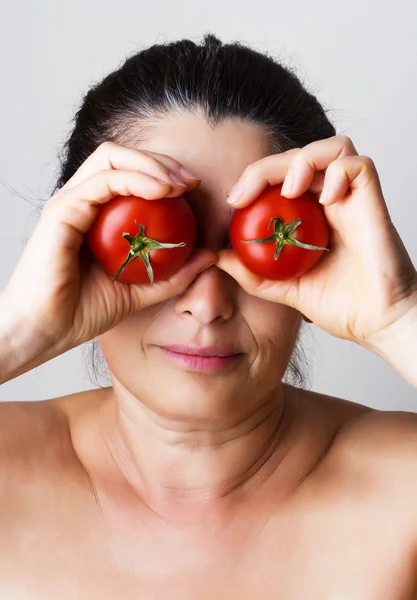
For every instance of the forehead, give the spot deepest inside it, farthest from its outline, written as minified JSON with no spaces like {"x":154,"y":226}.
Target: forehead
{"x":217,"y":155}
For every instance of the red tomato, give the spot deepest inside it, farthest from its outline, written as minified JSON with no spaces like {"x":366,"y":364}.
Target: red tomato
{"x":141,"y":241}
{"x":277,"y":237}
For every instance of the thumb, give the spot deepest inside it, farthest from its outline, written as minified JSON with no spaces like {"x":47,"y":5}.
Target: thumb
{"x":281,"y":292}
{"x":146,"y":295}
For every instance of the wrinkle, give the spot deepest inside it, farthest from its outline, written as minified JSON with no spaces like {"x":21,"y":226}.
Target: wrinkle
{"x":321,"y":459}
{"x":86,"y":471}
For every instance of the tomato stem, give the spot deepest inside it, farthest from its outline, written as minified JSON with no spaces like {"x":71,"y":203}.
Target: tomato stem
{"x":141,"y":246}
{"x":283,"y":235}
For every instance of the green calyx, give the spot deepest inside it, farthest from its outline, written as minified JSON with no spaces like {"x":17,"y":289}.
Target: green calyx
{"x":141,"y":246}
{"x":283,"y":235}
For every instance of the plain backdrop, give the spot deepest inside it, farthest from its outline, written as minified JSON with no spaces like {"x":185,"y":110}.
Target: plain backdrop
{"x":359,"y":58}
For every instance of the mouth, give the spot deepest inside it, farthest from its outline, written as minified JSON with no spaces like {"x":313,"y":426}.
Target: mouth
{"x":207,"y":360}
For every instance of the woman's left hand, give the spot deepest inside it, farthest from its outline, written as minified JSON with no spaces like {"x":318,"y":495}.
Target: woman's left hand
{"x":366,"y":282}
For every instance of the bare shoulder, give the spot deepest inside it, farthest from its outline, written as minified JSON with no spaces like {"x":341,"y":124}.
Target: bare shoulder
{"x":375,"y":432}
{"x":378,"y":449}
{"x":372,"y":453}
{"x":382,"y":441}
{"x":35,"y":437}
{"x":384,"y":438}
{"x":331,"y":405}
{"x":23,"y":425}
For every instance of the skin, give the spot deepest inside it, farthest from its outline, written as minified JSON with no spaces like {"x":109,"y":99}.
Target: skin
{"x":172,"y":483}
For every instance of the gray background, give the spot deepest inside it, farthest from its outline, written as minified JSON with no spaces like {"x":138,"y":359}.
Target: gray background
{"x":360,"y":58}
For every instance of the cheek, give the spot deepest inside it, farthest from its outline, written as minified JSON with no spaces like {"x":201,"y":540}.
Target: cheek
{"x":284,"y":325}
{"x":126,"y":339}
{"x":275,"y":328}
{"x":276,"y":323}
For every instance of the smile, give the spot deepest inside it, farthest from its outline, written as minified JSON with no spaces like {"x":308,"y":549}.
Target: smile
{"x":204,"y":360}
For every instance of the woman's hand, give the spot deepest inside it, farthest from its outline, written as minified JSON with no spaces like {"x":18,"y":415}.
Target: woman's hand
{"x":57,"y":290}
{"x":366,"y":282}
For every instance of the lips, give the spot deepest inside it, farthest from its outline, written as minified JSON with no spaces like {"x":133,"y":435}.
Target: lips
{"x":199,"y":351}
{"x":210,"y":359}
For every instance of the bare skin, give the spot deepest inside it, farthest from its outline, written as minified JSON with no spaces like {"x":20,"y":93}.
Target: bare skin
{"x":175,"y":483}
{"x":331,"y":514}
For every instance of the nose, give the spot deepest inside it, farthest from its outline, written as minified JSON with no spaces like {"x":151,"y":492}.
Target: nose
{"x":209,"y":299}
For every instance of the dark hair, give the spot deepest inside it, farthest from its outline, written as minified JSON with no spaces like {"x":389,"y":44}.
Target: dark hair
{"x":222,"y":80}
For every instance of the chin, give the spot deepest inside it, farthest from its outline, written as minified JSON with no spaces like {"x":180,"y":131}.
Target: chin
{"x":193,"y":396}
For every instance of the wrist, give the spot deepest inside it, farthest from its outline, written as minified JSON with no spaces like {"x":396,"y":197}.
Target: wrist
{"x":397,"y":344}
{"x":22,"y":345}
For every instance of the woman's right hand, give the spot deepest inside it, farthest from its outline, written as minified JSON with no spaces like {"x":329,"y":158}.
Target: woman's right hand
{"x":61,"y":292}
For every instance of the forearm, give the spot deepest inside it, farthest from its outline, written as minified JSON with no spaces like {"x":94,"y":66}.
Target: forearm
{"x":398,"y":346}
{"x":22,"y":347}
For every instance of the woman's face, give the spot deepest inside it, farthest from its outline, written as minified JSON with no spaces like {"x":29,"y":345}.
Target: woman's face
{"x":214,"y":312}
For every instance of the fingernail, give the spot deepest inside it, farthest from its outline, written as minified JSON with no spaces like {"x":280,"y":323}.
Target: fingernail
{"x":323,"y":197}
{"x":236,"y":193}
{"x":187,"y":174}
{"x":176,"y":178}
{"x":287,"y":185}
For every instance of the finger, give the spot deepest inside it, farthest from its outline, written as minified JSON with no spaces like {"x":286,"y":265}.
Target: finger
{"x":78,"y":207}
{"x":317,"y":183}
{"x":270,"y":170}
{"x":297,"y":166}
{"x":146,"y":295}
{"x":353,"y":173}
{"x":314,"y":157}
{"x":282,"y":292}
{"x":191,"y":178}
{"x":110,"y":155}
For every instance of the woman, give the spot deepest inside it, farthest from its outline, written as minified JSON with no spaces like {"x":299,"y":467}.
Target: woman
{"x":198,"y":473}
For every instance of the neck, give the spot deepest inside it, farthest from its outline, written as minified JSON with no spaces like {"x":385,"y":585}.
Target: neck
{"x":178,"y":469}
